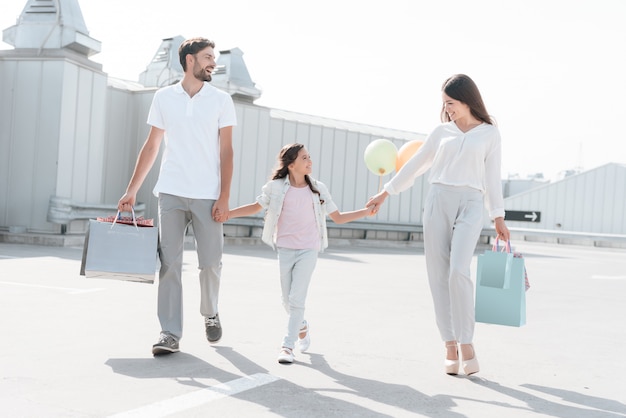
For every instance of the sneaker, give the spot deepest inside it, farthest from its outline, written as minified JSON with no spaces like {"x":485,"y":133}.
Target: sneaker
{"x":285,"y":356}
{"x":304,"y":343}
{"x":167,"y":345}
{"x":213,"y":328}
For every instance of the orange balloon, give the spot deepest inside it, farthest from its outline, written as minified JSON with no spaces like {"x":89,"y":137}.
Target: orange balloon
{"x":406,"y":151}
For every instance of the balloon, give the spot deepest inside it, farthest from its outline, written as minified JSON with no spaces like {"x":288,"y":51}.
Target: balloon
{"x":406,"y":151}
{"x":380,"y":156}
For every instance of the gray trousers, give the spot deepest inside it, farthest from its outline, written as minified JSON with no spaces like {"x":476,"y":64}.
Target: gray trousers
{"x":296,"y":269}
{"x":175,"y":214}
{"x":453,"y":219}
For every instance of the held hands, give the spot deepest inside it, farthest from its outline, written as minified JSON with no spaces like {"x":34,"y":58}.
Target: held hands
{"x":368,"y":211}
{"x":220,"y":211}
{"x":219,"y":216}
{"x":374,"y":203}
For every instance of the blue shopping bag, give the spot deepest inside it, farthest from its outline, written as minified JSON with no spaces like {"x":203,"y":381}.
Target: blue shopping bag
{"x":500,"y":288}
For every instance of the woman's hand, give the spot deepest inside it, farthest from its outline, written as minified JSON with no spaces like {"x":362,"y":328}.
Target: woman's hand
{"x":501,"y":230}
{"x":376,"y":201}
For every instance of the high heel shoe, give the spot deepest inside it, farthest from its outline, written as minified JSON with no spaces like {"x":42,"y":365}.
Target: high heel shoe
{"x":471,"y":366}
{"x":452,"y":366}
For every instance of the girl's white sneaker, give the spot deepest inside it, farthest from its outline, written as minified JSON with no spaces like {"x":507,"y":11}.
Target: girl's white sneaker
{"x":285,"y":356}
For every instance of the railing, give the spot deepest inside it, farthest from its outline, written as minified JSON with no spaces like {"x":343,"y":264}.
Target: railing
{"x":368,"y":230}
{"x":62,"y":211}
{"x":570,"y":237}
{"x":415,"y":232}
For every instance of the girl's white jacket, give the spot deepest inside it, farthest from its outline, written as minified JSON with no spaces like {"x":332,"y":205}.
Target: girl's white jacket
{"x":272,"y":197}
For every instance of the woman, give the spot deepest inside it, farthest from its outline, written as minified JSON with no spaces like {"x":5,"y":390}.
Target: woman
{"x":464,"y":156}
{"x":295,"y":222}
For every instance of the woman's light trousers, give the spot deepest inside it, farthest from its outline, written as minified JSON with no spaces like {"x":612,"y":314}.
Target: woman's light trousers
{"x":453,"y":220}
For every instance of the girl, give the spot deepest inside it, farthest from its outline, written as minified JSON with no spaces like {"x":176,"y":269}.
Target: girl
{"x":463,"y":155}
{"x":295,"y":223}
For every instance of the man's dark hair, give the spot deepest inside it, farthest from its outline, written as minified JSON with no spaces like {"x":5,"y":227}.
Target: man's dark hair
{"x":192,"y":46}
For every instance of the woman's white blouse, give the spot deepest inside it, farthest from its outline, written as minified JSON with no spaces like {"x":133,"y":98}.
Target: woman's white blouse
{"x":457,"y":158}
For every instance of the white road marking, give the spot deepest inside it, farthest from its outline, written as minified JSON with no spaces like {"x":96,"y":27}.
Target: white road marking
{"x":199,"y":397}
{"x":597,"y":276}
{"x":63,"y":289}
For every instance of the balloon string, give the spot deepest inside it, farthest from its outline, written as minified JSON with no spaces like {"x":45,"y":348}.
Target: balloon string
{"x":380,"y":182}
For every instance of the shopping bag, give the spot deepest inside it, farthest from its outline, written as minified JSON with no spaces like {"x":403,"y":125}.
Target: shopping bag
{"x":526,"y":282}
{"x":127,"y":220}
{"x":500,"y":288}
{"x":120,"y":251}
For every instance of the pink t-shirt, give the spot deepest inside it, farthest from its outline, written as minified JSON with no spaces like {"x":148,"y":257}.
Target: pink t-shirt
{"x":297,"y":228}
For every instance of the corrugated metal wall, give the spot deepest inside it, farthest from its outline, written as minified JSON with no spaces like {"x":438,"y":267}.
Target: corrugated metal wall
{"x":65,"y":132}
{"x":52,"y":120}
{"x":592,"y":201}
{"x":126,"y":131}
{"x":337,"y":156}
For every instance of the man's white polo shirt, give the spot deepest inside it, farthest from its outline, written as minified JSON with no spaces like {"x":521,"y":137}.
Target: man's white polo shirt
{"x":190,"y":165}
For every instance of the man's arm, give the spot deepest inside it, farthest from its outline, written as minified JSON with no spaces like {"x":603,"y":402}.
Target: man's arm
{"x":220,"y":209}
{"x":145,"y":160}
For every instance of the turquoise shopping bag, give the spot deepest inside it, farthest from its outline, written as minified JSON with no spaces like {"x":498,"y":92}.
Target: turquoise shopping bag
{"x":500,"y":288}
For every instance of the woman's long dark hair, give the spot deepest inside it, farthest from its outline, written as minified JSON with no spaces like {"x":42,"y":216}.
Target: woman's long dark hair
{"x":462,"y":88}
{"x":287,"y":155}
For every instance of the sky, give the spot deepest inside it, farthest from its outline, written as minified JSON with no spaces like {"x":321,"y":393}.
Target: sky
{"x":551,"y":72}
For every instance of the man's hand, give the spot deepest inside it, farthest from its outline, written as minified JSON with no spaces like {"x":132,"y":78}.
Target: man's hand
{"x":220,"y":210}
{"x":126,"y":202}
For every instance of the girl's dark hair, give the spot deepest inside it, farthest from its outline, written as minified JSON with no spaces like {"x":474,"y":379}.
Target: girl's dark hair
{"x":192,"y":46}
{"x":287,"y":155}
{"x":462,"y":88}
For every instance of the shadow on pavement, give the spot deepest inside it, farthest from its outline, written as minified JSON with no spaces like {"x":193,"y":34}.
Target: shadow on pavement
{"x":600,"y":404}
{"x":292,"y":401}
{"x":398,"y":396}
{"x":548,"y":407}
{"x":183,"y":367}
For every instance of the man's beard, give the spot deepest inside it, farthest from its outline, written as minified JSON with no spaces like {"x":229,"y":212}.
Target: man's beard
{"x":202,"y":75}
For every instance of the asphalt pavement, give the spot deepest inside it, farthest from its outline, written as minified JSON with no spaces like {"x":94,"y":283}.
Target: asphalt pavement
{"x":79,"y":347}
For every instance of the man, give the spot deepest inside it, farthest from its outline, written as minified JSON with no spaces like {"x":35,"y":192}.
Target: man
{"x":196,"y":121}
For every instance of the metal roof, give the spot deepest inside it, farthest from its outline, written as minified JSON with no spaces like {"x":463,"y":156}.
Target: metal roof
{"x":349,"y":126}
{"x":48,"y":24}
{"x":165,"y":68}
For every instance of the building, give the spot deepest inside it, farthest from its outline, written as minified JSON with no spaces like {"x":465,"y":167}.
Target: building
{"x":588,"y":206}
{"x":70,"y":135}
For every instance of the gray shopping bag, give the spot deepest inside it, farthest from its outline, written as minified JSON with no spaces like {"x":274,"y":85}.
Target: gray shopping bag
{"x":500,"y":289}
{"x":120,"y":251}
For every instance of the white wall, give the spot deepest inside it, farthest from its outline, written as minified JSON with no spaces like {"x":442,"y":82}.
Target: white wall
{"x":258,"y":137}
{"x":67,"y":131}
{"x":52,"y":120}
{"x":592,"y":201}
{"x":125,"y":133}
{"x":337,"y":156}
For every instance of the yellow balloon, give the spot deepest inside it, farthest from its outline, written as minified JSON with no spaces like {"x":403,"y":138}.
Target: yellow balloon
{"x":406,"y":151}
{"x":380,"y":156}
